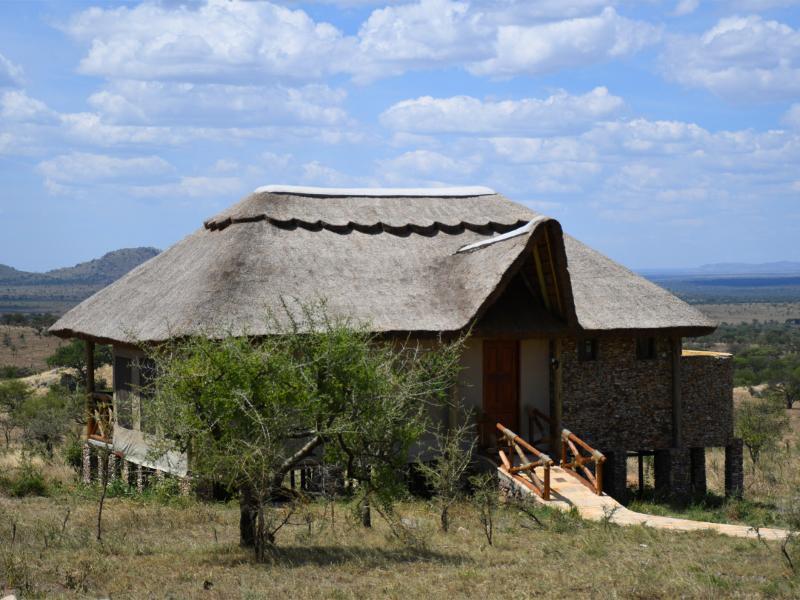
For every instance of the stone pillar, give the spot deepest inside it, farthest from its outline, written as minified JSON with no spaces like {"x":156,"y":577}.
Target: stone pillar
{"x":139,"y":479}
{"x":615,"y":474}
{"x":87,"y":464}
{"x":125,"y":472}
{"x":661,"y":474}
{"x":734,"y":469}
{"x":112,"y":467}
{"x":673,"y":472}
{"x":698,"y":470}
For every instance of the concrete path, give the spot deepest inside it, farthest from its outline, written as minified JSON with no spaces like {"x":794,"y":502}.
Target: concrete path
{"x":568,"y":492}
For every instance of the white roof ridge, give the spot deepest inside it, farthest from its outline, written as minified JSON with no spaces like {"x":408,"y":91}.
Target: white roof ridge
{"x":434,"y":192}
{"x":524,"y":229}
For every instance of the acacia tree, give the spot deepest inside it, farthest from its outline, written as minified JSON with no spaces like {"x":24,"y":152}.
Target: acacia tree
{"x":13,"y":394}
{"x":248,"y":410}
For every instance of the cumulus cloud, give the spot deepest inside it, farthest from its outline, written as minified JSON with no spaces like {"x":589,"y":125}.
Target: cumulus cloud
{"x":426,"y":167}
{"x":420,"y":35}
{"x":84,"y":167}
{"x":792,"y":116}
{"x":10,"y":73}
{"x":464,"y":114}
{"x":16,"y":105}
{"x":740,"y":58}
{"x":238,"y":42}
{"x":565,"y":44}
{"x":218,"y":104}
{"x":217,"y":40}
{"x":686,"y":7}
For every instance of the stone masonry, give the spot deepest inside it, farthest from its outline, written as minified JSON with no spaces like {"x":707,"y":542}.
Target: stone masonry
{"x":619,"y":402}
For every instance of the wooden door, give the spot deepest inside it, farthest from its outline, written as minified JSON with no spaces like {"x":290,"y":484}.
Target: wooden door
{"x":501,"y":382}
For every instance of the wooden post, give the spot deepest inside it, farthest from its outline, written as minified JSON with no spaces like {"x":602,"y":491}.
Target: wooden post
{"x":677,"y":405}
{"x":598,"y":475}
{"x":90,"y":424}
{"x":641,"y":474}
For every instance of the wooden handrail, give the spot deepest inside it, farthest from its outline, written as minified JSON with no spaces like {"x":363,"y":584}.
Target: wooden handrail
{"x":592,"y":480}
{"x":526,"y":467}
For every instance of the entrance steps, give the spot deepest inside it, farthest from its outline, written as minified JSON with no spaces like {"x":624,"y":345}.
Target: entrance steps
{"x":568,"y":492}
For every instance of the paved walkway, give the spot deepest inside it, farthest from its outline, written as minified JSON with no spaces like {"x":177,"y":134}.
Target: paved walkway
{"x":567,"y":491}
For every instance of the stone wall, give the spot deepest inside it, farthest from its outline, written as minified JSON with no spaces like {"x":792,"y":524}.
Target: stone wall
{"x":707,"y":397}
{"x":618,"y":400}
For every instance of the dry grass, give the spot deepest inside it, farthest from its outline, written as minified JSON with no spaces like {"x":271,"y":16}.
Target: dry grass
{"x":747,"y":312}
{"x":151,"y":550}
{"x":26,"y":347}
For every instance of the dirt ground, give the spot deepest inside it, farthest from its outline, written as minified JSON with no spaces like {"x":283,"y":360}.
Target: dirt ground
{"x":26,"y":347}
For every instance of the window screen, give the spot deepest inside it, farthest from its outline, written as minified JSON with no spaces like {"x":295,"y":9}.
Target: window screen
{"x":123,"y":385}
{"x":147,"y":372}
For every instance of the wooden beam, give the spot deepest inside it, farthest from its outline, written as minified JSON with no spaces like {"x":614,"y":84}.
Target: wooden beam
{"x":677,"y":401}
{"x":89,"y":383}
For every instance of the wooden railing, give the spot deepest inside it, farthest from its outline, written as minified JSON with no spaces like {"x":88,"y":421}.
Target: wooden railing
{"x":100,"y":425}
{"x":540,"y":428}
{"x":575,"y":463}
{"x":525,"y":472}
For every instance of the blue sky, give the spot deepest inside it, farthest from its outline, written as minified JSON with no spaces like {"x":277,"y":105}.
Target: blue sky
{"x":664,"y":134}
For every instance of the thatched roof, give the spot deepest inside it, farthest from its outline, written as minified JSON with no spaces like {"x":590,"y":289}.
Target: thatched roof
{"x":391,"y":259}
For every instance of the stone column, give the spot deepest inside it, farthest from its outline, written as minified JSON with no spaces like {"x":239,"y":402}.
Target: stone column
{"x":126,"y":472}
{"x":698,"y":470}
{"x":615,"y":474}
{"x":673,"y":472}
{"x":87,"y":463}
{"x":734,"y":469}
{"x":139,"y":479}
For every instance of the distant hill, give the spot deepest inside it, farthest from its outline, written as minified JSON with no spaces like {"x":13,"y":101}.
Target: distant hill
{"x":723,"y":283}
{"x":59,"y":290}
{"x":779,"y":268}
{"x":110,"y":267}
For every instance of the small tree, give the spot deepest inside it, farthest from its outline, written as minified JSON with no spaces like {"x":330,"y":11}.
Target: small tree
{"x":248,"y":411}
{"x":46,"y":419}
{"x":485,"y":496}
{"x":446,"y":474}
{"x":13,"y":394}
{"x":73,"y":356}
{"x":761,"y":423}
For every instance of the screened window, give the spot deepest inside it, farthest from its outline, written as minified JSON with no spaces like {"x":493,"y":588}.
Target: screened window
{"x":147,"y":372}
{"x":123,"y":387}
{"x":646,"y":348}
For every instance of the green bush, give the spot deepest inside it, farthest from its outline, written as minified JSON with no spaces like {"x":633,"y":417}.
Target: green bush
{"x":73,"y":452}
{"x":28,"y":481}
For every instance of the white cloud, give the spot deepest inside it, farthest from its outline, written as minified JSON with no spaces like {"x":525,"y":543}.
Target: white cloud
{"x":425,"y":167}
{"x":10,"y":74}
{"x":317,"y":173}
{"x":463,"y":114}
{"x":16,"y":105}
{"x":686,"y":7}
{"x":83,"y":168}
{"x":740,"y":58}
{"x":418,"y":35}
{"x":233,"y":41}
{"x":188,"y":187}
{"x":565,"y":44}
{"x":792,"y":116}
{"x":129,"y":101}
{"x":248,"y":42}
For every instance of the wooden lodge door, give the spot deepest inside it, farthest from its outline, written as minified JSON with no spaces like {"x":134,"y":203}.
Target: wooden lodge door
{"x":501,"y":383}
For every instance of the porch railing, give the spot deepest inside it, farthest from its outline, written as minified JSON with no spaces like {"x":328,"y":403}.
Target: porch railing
{"x":575,"y":462}
{"x":525,"y":472}
{"x":100,"y":425}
